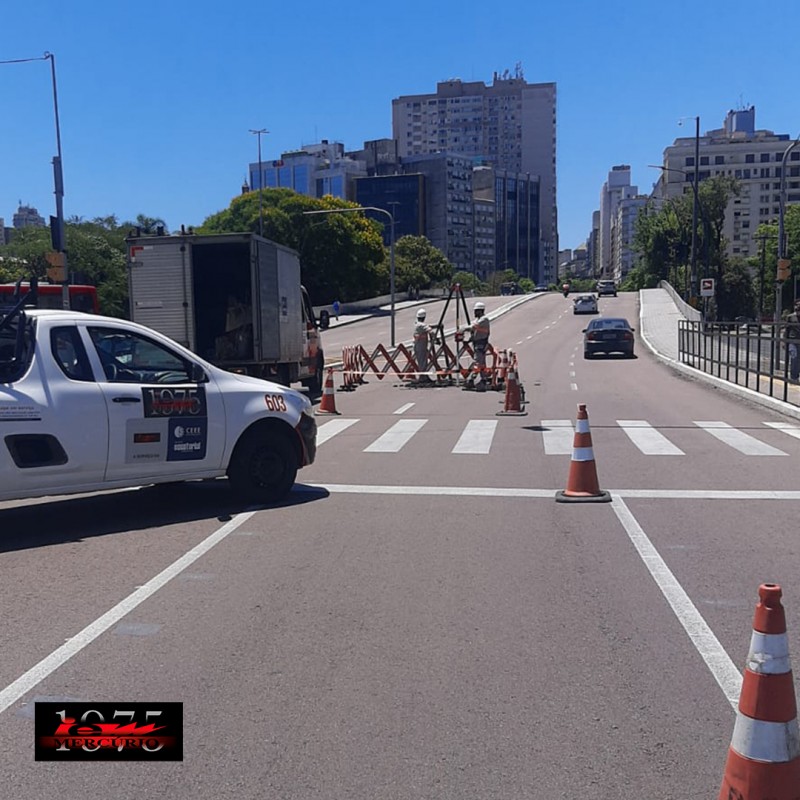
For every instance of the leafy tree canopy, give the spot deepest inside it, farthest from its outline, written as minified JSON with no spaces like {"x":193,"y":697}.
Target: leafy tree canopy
{"x":341,"y":254}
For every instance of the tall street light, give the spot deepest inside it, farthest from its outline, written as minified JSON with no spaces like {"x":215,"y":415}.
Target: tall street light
{"x":59,"y":259}
{"x":783,"y":262}
{"x":258,"y":132}
{"x":693,"y":269}
{"x":391,"y":244}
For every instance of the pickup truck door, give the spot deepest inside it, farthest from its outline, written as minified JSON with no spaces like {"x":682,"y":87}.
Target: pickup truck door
{"x":161,"y":423}
{"x":54,"y":418}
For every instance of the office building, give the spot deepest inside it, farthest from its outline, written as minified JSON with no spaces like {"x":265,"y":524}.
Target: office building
{"x":616,"y":188}
{"x":510,"y":125}
{"x":623,"y":229}
{"x":314,"y":170}
{"x":737,"y":150}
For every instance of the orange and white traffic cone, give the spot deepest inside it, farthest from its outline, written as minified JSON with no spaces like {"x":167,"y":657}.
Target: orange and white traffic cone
{"x":513,"y":399}
{"x":764,"y":756}
{"x":328,"y":403}
{"x":582,"y":483}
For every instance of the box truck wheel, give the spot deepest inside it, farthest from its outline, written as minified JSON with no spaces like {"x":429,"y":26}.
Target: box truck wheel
{"x":263,"y":467}
{"x":314,"y":384}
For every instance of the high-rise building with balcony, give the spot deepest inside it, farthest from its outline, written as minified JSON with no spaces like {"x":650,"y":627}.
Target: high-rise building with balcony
{"x":28,"y":217}
{"x":510,"y":124}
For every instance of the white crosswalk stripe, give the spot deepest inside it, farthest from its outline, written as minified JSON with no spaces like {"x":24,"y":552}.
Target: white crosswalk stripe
{"x":477,"y":437}
{"x":786,"y":427}
{"x":739,"y":440}
{"x":650,"y":441}
{"x":396,"y":437}
{"x":558,"y":436}
{"x":329,"y":429}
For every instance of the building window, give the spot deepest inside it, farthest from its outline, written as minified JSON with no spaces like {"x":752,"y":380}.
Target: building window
{"x":703,"y":161}
{"x":689,"y":161}
{"x":749,"y":158}
{"x":764,"y":157}
{"x":719,"y":159}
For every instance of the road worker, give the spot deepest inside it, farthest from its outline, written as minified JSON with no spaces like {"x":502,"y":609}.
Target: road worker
{"x":478,"y":333}
{"x":422,"y":343}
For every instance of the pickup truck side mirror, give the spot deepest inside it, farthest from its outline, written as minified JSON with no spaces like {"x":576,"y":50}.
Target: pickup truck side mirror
{"x":324,"y":319}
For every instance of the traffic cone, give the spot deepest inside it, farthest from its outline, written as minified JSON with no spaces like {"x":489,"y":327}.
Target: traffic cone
{"x":764,"y":756}
{"x":513,"y":399}
{"x":328,"y":403}
{"x":582,"y":484}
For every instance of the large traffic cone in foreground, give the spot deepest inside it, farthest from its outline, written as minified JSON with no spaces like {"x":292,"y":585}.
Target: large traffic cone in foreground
{"x":328,"y":403}
{"x":513,"y":399}
{"x":582,"y":484}
{"x":764,"y":756}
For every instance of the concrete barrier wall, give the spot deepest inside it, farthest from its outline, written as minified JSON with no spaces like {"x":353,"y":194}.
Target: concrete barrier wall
{"x":690,"y":313}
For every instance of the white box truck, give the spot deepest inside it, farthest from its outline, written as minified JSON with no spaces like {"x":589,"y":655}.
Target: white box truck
{"x":234,"y":299}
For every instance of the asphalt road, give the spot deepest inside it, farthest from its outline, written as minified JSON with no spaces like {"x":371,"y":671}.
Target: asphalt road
{"x":423,"y":620}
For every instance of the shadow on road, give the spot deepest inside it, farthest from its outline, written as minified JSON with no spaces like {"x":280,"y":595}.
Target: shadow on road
{"x":47,"y":521}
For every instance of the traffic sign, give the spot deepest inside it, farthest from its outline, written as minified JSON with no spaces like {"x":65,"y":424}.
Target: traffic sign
{"x":706,"y":287}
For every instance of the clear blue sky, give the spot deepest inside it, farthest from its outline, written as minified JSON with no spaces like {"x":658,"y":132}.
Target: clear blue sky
{"x":156,"y":98}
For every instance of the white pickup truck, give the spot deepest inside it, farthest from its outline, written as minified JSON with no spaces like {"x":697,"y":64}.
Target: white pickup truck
{"x":89,"y":403}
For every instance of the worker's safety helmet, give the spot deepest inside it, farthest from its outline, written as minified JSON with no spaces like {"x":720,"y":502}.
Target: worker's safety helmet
{"x":421,"y":314}
{"x":479,"y":309}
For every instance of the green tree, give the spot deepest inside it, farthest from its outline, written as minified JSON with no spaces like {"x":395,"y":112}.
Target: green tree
{"x":418,"y":263}
{"x":342,"y":255}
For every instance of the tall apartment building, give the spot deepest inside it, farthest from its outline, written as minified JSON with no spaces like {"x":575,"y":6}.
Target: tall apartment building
{"x":593,"y":246}
{"x":622,"y":233}
{"x":28,"y":217}
{"x":616,"y":187}
{"x":753,"y":157}
{"x":510,"y":124}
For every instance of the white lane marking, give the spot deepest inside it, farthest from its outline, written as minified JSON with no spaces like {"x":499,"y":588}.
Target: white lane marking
{"x":650,"y":441}
{"x":559,"y":440}
{"x":396,"y":437}
{"x":539,"y":331}
{"x":712,"y":652}
{"x":792,"y":430}
{"x":329,"y":429}
{"x":476,"y":437}
{"x":572,"y":373}
{"x":739,"y":440}
{"x":528,"y":338}
{"x":49,"y":664}
{"x":490,"y":491}
{"x":403,"y":409}
{"x":574,"y":387}
{"x":520,"y":341}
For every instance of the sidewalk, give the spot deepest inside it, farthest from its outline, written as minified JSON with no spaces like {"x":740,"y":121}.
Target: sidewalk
{"x":658,"y":322}
{"x":658,"y":326}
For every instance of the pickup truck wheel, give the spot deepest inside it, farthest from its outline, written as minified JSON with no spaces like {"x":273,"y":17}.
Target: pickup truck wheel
{"x":263,"y":467}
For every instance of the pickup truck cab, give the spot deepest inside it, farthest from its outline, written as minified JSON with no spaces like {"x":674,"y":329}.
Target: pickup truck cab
{"x":90,"y":403}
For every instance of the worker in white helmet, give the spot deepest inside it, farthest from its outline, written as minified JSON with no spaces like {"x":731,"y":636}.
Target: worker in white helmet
{"x":422,"y":343}
{"x":479,"y":337}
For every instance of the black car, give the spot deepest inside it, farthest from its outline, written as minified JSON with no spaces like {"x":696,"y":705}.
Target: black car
{"x":608,"y":335}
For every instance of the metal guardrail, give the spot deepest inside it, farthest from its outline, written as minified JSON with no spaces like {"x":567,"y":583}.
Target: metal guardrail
{"x":752,"y":355}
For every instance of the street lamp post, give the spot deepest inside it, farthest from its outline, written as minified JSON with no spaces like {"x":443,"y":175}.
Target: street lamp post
{"x":258,"y":133}
{"x":57,"y":222}
{"x":391,"y":245}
